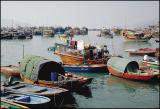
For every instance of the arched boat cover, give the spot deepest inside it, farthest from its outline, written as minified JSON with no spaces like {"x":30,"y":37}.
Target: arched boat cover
{"x":122,"y":64}
{"x":36,"y":67}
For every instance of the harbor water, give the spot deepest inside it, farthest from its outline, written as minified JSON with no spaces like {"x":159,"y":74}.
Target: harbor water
{"x":105,"y":91}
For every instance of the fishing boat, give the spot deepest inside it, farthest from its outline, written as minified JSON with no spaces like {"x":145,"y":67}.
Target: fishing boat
{"x":116,"y":31}
{"x":71,"y":59}
{"x":10,"y":70}
{"x":142,"y":51}
{"x":136,"y":36}
{"x":105,"y":32}
{"x":37,"y":32}
{"x":128,"y":69}
{"x":72,"y":56}
{"x":29,"y":100}
{"x":82,"y":81}
{"x":157,"y":41}
{"x":35,"y":89}
{"x":6,"y":35}
{"x":59,"y":30}
{"x":86,"y":68}
{"x":48,"y":32}
{"x":98,"y":35}
{"x":69,"y":81}
{"x":5,"y":104}
{"x":47,"y":72}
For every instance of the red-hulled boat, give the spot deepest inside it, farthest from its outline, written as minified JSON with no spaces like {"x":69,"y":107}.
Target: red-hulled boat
{"x":131,"y":35}
{"x":142,"y":51}
{"x":127,"y":69}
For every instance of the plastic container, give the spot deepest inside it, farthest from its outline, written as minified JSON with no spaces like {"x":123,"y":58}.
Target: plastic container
{"x":54,"y":76}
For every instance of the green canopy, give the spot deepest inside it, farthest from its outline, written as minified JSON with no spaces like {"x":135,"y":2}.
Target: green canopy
{"x":130,"y":32}
{"x":36,"y":67}
{"x":123,"y":65}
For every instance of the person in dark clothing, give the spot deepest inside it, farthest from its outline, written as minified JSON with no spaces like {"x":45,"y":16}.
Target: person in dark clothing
{"x":91,"y":54}
{"x":106,"y":52}
{"x":99,"y":54}
{"x":102,"y":52}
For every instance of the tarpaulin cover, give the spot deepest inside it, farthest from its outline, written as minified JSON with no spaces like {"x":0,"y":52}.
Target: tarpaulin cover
{"x":123,"y":65}
{"x":36,"y":67}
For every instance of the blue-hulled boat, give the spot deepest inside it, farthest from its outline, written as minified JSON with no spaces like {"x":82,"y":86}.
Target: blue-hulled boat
{"x":86,"y":68}
{"x":29,"y":100}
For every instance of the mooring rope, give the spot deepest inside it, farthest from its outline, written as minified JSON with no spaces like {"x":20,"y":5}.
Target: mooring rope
{"x":62,"y":102}
{"x":55,"y":104}
{"x":55,"y":100}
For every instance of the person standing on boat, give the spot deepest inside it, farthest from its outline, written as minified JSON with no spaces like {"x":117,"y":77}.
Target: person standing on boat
{"x":145,"y":58}
{"x":95,"y":53}
{"x":98,"y":54}
{"x":106,"y":51}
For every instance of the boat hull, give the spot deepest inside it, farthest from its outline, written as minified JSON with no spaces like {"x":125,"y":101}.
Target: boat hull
{"x":35,"y":89}
{"x":143,"y":53}
{"x":86,"y":68}
{"x":138,"y":40}
{"x":10,"y":70}
{"x":75,"y":81}
{"x":28,"y":100}
{"x":131,"y":76}
{"x":11,"y":105}
{"x":77,"y":60}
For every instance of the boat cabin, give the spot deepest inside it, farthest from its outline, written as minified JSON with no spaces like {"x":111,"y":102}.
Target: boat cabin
{"x":123,"y":65}
{"x":89,"y":52}
{"x":38,"y":68}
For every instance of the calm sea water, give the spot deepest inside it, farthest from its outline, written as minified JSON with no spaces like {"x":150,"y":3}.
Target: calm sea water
{"x":105,"y":90}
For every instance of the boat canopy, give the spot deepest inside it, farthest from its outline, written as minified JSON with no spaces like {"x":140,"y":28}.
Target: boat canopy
{"x":130,"y":32}
{"x":123,"y":65}
{"x":35,"y":67}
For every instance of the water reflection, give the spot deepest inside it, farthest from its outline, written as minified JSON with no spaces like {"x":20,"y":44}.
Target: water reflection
{"x":104,"y":91}
{"x":85,"y":91}
{"x":91,"y":74}
{"x":66,"y":101}
{"x":130,"y":86}
{"x":5,"y":78}
{"x":135,"y":44}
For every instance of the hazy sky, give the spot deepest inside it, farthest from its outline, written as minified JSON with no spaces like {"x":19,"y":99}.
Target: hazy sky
{"x":81,"y":13}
